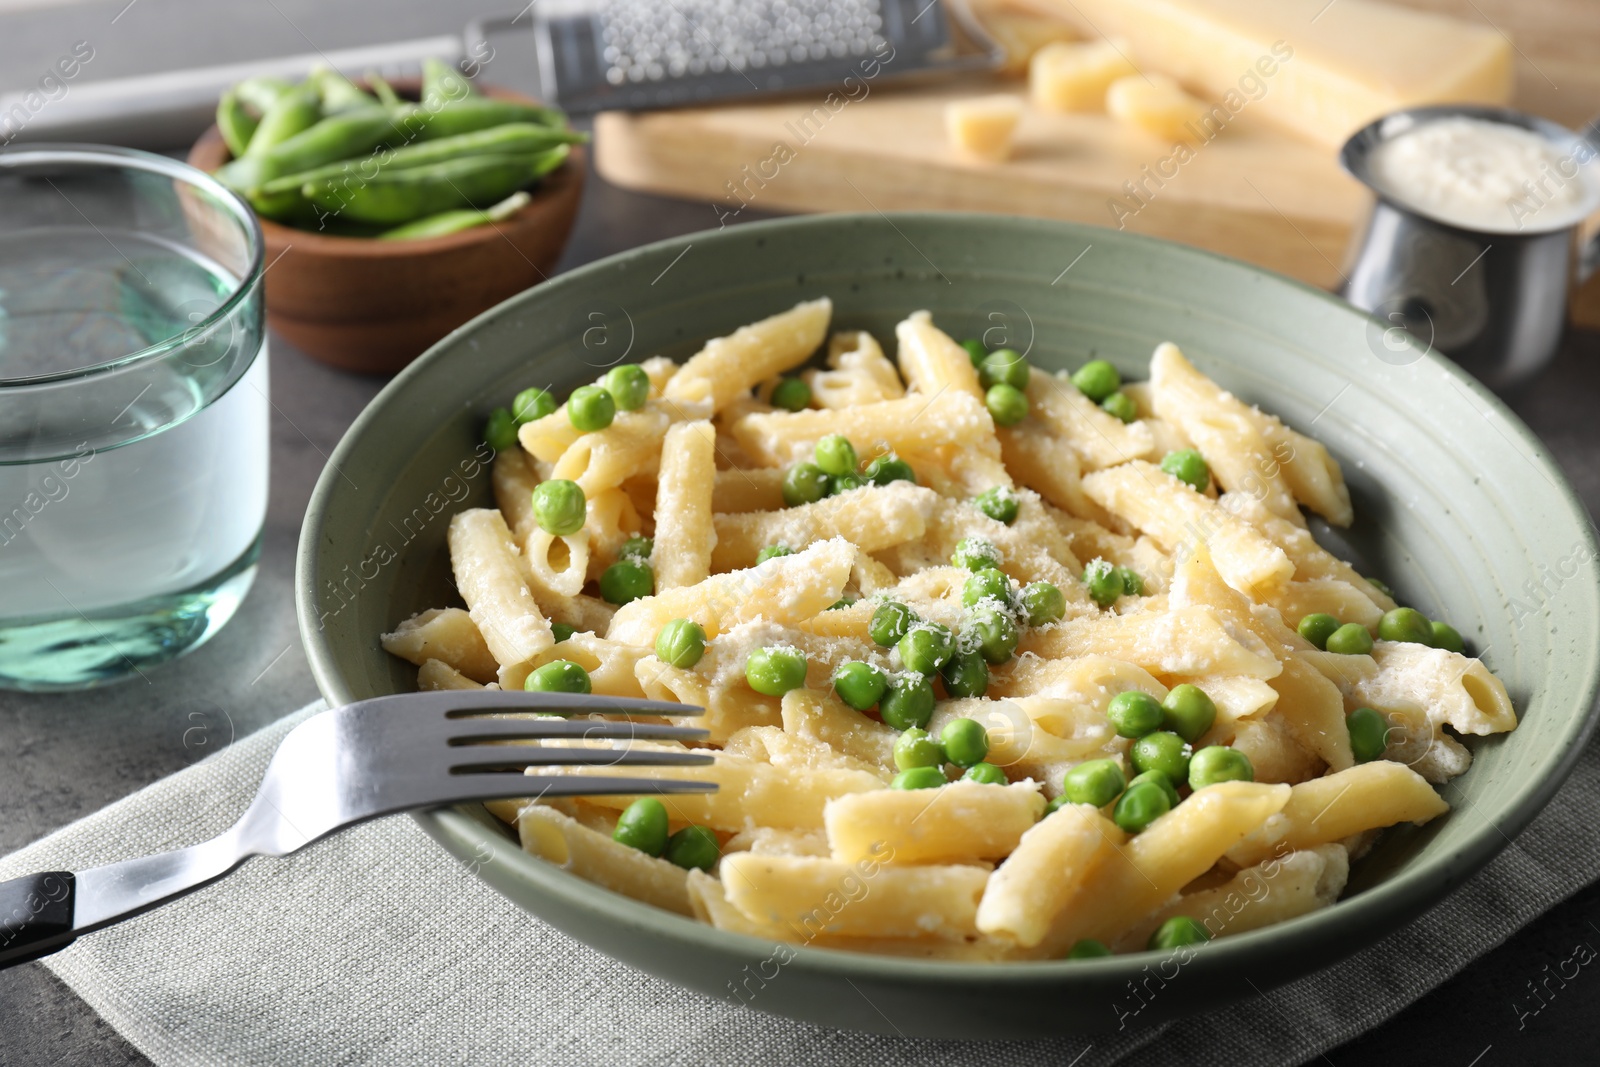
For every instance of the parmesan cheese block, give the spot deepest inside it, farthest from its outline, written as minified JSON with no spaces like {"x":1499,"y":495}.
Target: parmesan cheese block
{"x":1074,"y":77}
{"x":1322,"y":70}
{"x":1158,"y":105}
{"x":983,"y":127}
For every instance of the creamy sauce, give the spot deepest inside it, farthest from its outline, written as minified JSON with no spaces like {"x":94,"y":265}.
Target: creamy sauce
{"x":1485,"y":175}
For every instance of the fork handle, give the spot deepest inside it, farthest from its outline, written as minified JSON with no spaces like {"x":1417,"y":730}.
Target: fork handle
{"x":36,"y":913}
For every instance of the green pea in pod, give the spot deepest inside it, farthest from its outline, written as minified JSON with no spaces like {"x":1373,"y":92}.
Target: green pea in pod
{"x":235,"y":123}
{"x":259,"y":94}
{"x":447,"y":222}
{"x":291,"y":114}
{"x":442,"y":83}
{"x":338,"y":93}
{"x":515,"y":138}
{"x":474,"y":113}
{"x":401,"y":196}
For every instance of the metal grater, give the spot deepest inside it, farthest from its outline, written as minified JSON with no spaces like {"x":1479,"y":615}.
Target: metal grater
{"x":597,"y":55}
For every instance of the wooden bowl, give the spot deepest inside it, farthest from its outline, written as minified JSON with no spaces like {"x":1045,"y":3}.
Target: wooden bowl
{"x":373,"y":306}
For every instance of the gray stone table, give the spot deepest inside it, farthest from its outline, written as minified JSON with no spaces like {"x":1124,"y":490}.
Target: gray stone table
{"x":65,"y":756}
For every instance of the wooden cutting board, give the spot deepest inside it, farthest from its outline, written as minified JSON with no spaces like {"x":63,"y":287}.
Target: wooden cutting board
{"x":1254,"y":192}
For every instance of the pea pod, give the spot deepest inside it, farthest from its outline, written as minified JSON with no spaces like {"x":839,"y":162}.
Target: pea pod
{"x":260,"y":93}
{"x":236,"y":123}
{"x":514,"y":138}
{"x":338,"y":93}
{"x":290,"y":115}
{"x":383,"y":90}
{"x":402,"y":196}
{"x":475,"y":113}
{"x":353,"y":133}
{"x":447,"y":222}
{"x":442,"y":83}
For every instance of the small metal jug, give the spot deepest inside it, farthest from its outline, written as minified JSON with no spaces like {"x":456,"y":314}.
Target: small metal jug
{"x":1495,"y":302}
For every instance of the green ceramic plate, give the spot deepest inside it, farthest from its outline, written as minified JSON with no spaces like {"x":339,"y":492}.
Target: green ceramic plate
{"x":1458,"y":507}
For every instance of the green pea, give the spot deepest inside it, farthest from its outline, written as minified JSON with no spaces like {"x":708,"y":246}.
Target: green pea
{"x":1044,"y":603}
{"x":643,"y":825}
{"x":1405,"y":624}
{"x":1007,"y":404}
{"x":559,"y":506}
{"x":590,"y":408}
{"x":890,"y":621}
{"x":681,"y":643}
{"x":986,"y":584}
{"x":1188,"y":711}
{"x":627,"y":580}
{"x":628,"y":385}
{"x":773,"y":552}
{"x":562,"y":631}
{"x":1368,"y":734}
{"x":1141,"y":804}
{"x":1351,"y":639}
{"x":558,"y":676}
{"x":1132,"y":584}
{"x":804,"y":483}
{"x":775,"y":670}
{"x":914,"y":748}
{"x":835,"y":454}
{"x":999,"y":503}
{"x":1189,"y":467}
{"x":860,"y":684}
{"x":1162,"y":751}
{"x":919,"y":778}
{"x":965,"y":674}
{"x":994,"y":631}
{"x":694,"y":848}
{"x":1053,"y":805}
{"x":1097,"y":782}
{"x":926,"y":647}
{"x":966,"y":742}
{"x":843,"y":483}
{"x":889,"y":468}
{"x":501,"y":430}
{"x":791,"y":394}
{"x":1121,"y":405}
{"x":1381,"y":586}
{"x":637,"y":548}
{"x":975,"y":554}
{"x":975,"y":350}
{"x":532,"y":404}
{"x":1177,"y":932}
{"x":1446,"y":637}
{"x":985,"y":774}
{"x":1318,"y":627}
{"x":1087,"y":949}
{"x":1104,"y":582}
{"x":1167,"y":787}
{"x":1135,"y":713}
{"x":1097,"y":379}
{"x":907,"y":702}
{"x":1003,"y":365}
{"x":1218,"y":763}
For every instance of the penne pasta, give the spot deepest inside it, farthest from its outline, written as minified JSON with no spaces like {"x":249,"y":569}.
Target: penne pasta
{"x":484,"y":559}
{"x":886,"y":786}
{"x":448,"y":635}
{"x":872,"y":518}
{"x":684,"y":531}
{"x":730,"y":366}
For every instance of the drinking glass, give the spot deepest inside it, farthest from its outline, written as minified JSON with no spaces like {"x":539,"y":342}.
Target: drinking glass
{"x":133,"y":412}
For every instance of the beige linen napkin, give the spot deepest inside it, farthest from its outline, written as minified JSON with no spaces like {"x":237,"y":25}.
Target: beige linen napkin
{"x":376,"y":946}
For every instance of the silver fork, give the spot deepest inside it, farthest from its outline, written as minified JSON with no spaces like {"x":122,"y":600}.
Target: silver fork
{"x":354,"y":763}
